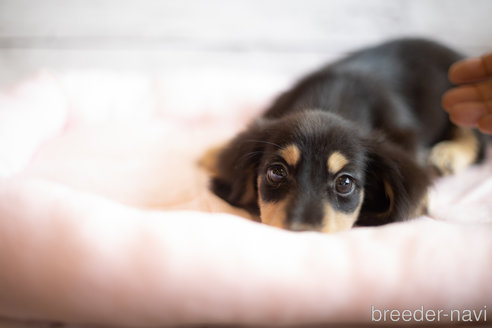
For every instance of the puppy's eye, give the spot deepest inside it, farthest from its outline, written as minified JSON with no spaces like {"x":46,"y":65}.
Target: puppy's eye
{"x":344,"y":185}
{"x":276,"y":174}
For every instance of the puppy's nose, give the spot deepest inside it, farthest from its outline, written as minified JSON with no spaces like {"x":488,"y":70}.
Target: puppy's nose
{"x":306,"y":213}
{"x":300,"y":226}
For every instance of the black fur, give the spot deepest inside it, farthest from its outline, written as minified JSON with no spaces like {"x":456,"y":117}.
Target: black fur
{"x":379,"y":106}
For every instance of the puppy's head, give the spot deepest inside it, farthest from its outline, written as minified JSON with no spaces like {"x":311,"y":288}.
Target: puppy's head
{"x":316,"y":171}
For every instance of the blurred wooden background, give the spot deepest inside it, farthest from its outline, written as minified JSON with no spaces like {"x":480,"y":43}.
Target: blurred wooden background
{"x":278,"y":36}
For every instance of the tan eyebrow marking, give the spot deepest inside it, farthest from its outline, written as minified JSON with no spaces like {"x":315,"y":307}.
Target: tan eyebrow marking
{"x":291,"y":154}
{"x":336,"y":162}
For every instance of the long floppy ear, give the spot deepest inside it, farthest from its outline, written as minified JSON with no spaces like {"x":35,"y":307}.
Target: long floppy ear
{"x":236,"y":168}
{"x":395,"y":186}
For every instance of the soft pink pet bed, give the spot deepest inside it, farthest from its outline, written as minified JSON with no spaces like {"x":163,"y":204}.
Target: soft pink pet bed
{"x":105,"y":218}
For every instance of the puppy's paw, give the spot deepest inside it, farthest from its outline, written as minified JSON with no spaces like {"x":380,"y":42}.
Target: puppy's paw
{"x":451,"y":157}
{"x":208,"y":160}
{"x":423,"y":207}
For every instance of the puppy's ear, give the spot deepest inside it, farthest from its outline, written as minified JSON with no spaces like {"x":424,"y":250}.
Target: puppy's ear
{"x":395,"y":184}
{"x":237,"y":165}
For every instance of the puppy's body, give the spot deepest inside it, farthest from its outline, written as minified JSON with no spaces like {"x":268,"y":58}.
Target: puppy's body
{"x":349,"y":143}
{"x":395,"y":88}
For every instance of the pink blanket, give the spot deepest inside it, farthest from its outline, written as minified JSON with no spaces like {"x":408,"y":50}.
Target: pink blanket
{"x":105,"y":218}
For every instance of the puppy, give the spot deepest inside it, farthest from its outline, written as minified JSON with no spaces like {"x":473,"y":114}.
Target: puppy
{"x":356,"y":142}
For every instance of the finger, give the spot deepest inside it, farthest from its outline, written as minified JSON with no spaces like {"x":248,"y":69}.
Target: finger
{"x":471,"y":69}
{"x":468,"y":113}
{"x":468,"y":93}
{"x":485,"y":124}
{"x":460,"y":95}
{"x":484,"y":89}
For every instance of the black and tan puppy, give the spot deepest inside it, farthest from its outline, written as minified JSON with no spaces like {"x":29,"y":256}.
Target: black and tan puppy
{"x":353,"y":143}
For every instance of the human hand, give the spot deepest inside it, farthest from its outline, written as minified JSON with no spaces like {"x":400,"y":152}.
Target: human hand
{"x":470,"y":103}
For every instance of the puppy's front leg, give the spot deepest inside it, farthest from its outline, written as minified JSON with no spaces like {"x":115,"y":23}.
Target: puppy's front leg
{"x":455,"y":155}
